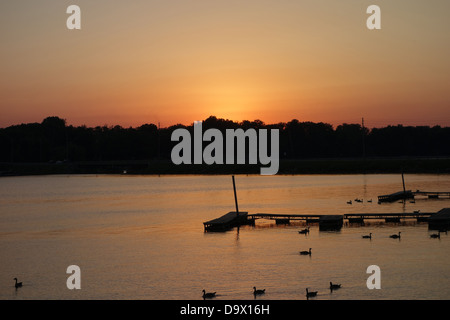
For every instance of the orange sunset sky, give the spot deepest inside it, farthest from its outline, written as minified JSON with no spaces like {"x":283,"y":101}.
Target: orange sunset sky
{"x":177,"y":61}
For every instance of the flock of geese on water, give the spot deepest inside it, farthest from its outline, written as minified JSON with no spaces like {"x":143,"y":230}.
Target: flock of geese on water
{"x":333,"y":286}
{"x":358,"y":200}
{"x":398,"y":236}
{"x":213,"y":294}
{"x":258,"y":292}
{"x":309,"y":294}
{"x":369,"y":236}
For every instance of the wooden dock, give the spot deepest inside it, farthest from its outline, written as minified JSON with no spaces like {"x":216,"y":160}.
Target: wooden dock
{"x":230,"y":220}
{"x":335,"y":222}
{"x":436,"y":220}
{"x":432,"y":194}
{"x":387,"y":217}
{"x":440,"y":220}
{"x":401,"y":195}
{"x":408,"y":194}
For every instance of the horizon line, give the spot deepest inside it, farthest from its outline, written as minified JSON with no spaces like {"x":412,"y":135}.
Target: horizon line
{"x":157,"y":123}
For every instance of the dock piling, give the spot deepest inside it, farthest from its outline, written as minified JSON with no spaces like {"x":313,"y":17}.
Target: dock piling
{"x":235,"y":196}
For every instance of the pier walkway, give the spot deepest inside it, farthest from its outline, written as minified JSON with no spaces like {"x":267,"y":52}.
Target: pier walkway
{"x":335,"y":222}
{"x":432,"y":194}
{"x":231,"y":219}
{"x":408,"y":194}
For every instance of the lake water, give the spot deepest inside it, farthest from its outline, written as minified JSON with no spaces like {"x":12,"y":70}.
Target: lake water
{"x":142,"y":237}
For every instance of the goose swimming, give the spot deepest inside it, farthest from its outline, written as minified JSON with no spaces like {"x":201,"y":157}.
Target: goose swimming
{"x":306,"y":252}
{"x":18,"y":284}
{"x":310,"y":294}
{"x":334,"y":286}
{"x":395,"y":236}
{"x":257,"y":292}
{"x":434,"y":235}
{"x":304,"y":231}
{"x":208,"y":294}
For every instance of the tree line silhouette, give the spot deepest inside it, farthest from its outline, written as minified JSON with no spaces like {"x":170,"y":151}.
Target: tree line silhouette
{"x":53,"y":140}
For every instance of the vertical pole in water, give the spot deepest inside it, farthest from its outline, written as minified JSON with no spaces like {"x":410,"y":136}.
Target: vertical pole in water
{"x":403,"y":180}
{"x":235,"y":197}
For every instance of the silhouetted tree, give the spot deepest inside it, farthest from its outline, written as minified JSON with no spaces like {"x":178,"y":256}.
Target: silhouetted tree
{"x":54,"y":140}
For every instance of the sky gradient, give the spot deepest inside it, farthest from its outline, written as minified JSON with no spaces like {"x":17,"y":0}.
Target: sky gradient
{"x":176,"y":61}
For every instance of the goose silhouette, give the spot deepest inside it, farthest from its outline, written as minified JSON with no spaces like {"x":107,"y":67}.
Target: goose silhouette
{"x":368,"y":236}
{"x":334,"y":286}
{"x":395,"y":236}
{"x":349,"y":202}
{"x":304,"y":231}
{"x":434,"y":235}
{"x":208,"y":294}
{"x":304,"y":253}
{"x":258,"y":292}
{"x":18,"y":284}
{"x":310,"y":294}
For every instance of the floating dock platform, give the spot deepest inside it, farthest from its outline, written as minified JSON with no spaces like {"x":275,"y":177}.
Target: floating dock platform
{"x":408,"y":194}
{"x":237,"y":218}
{"x":401,"y":195}
{"x":440,"y":220}
{"x":405,"y":195}
{"x":331,"y":222}
{"x":432,"y":194}
{"x":230,"y":220}
{"x":388,"y":217}
{"x":437,"y":220}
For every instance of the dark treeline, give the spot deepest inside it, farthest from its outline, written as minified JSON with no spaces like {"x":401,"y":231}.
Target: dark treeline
{"x":54,"y":140}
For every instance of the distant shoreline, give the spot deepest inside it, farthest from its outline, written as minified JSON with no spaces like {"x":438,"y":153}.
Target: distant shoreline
{"x":287,"y":167}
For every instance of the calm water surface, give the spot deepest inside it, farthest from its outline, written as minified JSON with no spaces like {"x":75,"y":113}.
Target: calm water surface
{"x":141,"y":237}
